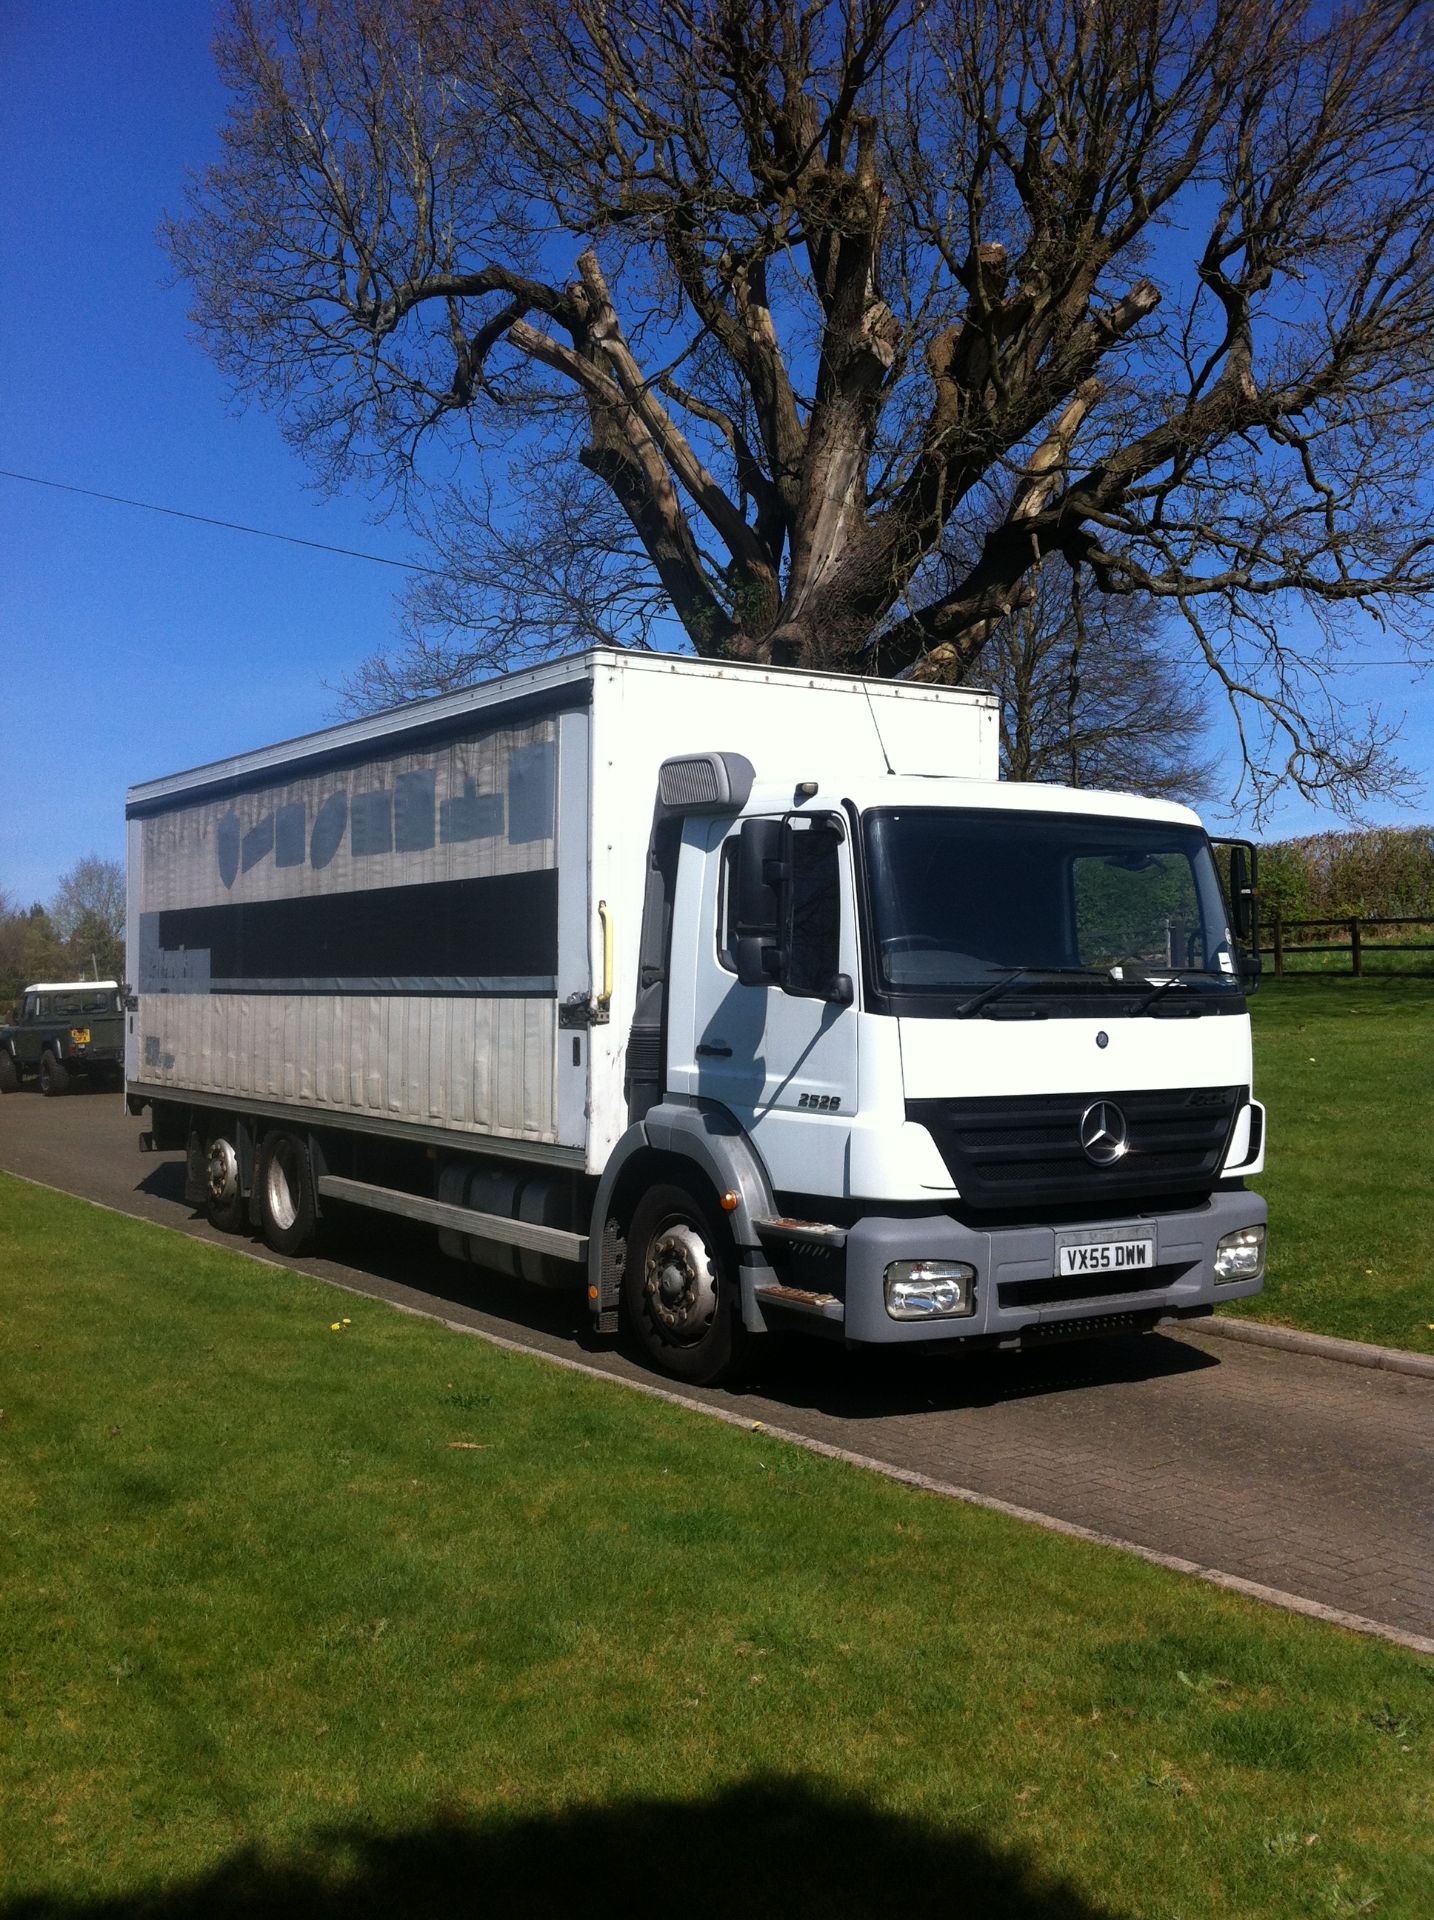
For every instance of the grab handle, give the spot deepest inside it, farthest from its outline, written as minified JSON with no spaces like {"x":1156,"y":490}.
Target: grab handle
{"x":605,"y":997}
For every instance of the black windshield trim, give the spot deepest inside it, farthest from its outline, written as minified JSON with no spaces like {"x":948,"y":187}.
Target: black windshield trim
{"x":1054,"y":996}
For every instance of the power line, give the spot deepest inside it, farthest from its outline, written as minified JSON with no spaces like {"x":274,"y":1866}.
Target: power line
{"x":379,"y":559}
{"x":209,"y":520}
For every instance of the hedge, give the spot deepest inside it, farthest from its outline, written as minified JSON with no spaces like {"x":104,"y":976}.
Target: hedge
{"x":1371,"y":872}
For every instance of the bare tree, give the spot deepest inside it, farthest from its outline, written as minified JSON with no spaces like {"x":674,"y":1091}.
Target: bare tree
{"x":505,"y":589}
{"x":92,"y":890}
{"x":1089,"y":696}
{"x":804,"y":288}
{"x":88,"y":914}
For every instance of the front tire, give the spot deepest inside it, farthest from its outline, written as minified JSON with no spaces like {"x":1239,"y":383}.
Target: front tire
{"x":679,"y":1286}
{"x":287,"y":1209}
{"x":9,"y":1074}
{"x":54,"y":1078}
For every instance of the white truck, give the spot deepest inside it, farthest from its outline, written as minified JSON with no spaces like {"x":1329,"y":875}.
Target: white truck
{"x":749,"y":998}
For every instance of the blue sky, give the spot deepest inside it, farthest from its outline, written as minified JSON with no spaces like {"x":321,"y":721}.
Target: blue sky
{"x":133,"y":645}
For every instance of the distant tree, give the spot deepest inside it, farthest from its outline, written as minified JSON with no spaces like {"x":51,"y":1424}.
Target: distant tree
{"x":90,"y":895}
{"x":9,"y":952}
{"x":802,"y":288}
{"x":94,"y":950}
{"x":30,"y":950}
{"x":1092,"y":697}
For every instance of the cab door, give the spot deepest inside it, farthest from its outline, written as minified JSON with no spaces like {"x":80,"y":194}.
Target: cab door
{"x":781,"y":1056}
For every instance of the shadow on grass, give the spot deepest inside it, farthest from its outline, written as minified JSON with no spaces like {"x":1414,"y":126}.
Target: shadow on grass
{"x":810,"y":1375}
{"x":777,"y":1847}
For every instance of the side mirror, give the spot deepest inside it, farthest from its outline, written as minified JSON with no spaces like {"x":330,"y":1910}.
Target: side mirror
{"x":1244,"y":892}
{"x":749,"y":959}
{"x":784,"y":905}
{"x":1241,"y":892}
{"x":759,"y":886}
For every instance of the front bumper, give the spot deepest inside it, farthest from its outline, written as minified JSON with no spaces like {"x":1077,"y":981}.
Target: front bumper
{"x":1016,"y":1274}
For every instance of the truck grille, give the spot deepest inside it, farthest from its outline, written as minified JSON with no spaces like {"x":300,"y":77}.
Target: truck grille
{"x":1026,"y":1149}
{"x":1054,"y":1292}
{"x":1049,"y":1332}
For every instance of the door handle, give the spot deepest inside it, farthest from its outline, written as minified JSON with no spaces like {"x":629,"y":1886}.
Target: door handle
{"x":714,"y":1050}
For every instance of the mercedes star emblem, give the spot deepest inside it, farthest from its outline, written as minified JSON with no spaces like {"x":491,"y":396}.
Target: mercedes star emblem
{"x":1103,"y":1133}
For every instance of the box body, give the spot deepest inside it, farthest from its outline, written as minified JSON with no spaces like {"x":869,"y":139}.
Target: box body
{"x":379,"y":924}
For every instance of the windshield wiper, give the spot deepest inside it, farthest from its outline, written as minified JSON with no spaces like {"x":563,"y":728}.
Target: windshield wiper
{"x":1160,"y":988}
{"x":1149,"y":999}
{"x":977,"y":1000}
{"x":998,"y":987}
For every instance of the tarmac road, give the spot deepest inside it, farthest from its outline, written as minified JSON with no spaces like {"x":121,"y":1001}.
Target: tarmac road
{"x":1298,"y":1474}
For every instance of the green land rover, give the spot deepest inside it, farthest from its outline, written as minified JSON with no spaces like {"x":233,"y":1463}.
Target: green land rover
{"x":61,"y":1029}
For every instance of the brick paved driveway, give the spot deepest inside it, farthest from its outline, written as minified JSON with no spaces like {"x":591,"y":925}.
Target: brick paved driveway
{"x":1305,"y":1475}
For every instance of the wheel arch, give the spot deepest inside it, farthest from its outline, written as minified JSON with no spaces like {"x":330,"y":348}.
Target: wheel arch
{"x":701,"y":1146}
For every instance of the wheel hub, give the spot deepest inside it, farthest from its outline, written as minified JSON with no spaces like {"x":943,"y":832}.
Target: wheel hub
{"x":223,"y":1171}
{"x":681,"y":1282}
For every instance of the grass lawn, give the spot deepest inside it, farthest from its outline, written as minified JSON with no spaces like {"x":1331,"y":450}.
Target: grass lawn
{"x":382,"y":1620}
{"x":1346,"y":1069}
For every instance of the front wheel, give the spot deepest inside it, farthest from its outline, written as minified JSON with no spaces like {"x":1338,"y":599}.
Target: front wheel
{"x":680,"y":1286}
{"x":286,"y":1193}
{"x":9,"y":1074}
{"x":54,"y":1078}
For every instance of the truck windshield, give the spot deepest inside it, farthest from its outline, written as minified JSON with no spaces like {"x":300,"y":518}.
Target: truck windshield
{"x":1003,"y":904}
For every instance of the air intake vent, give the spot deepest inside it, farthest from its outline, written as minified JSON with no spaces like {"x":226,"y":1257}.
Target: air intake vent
{"x":689,"y":783}
{"x":705,"y":782}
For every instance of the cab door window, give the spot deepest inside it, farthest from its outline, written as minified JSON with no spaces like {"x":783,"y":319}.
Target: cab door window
{"x":814,"y":916}
{"x":726,"y":876}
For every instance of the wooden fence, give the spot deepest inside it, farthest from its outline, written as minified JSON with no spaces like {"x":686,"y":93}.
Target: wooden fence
{"x":1357,"y":929}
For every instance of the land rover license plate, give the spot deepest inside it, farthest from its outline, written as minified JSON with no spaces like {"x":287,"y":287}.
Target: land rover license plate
{"x":1077,"y":1255}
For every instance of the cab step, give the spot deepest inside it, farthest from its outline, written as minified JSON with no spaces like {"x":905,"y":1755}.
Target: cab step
{"x":821,"y":1306}
{"x":801,"y":1233}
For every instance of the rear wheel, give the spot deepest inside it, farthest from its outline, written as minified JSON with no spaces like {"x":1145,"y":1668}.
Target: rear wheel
{"x":54,"y":1078}
{"x":9,"y":1074}
{"x":286,"y":1192}
{"x":680,"y":1286}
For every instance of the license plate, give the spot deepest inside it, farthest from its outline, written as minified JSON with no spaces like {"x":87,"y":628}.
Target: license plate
{"x":1105,"y":1256}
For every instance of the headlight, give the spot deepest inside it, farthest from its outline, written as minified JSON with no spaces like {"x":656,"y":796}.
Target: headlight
{"x":930,"y":1289}
{"x":1240,"y":1256}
